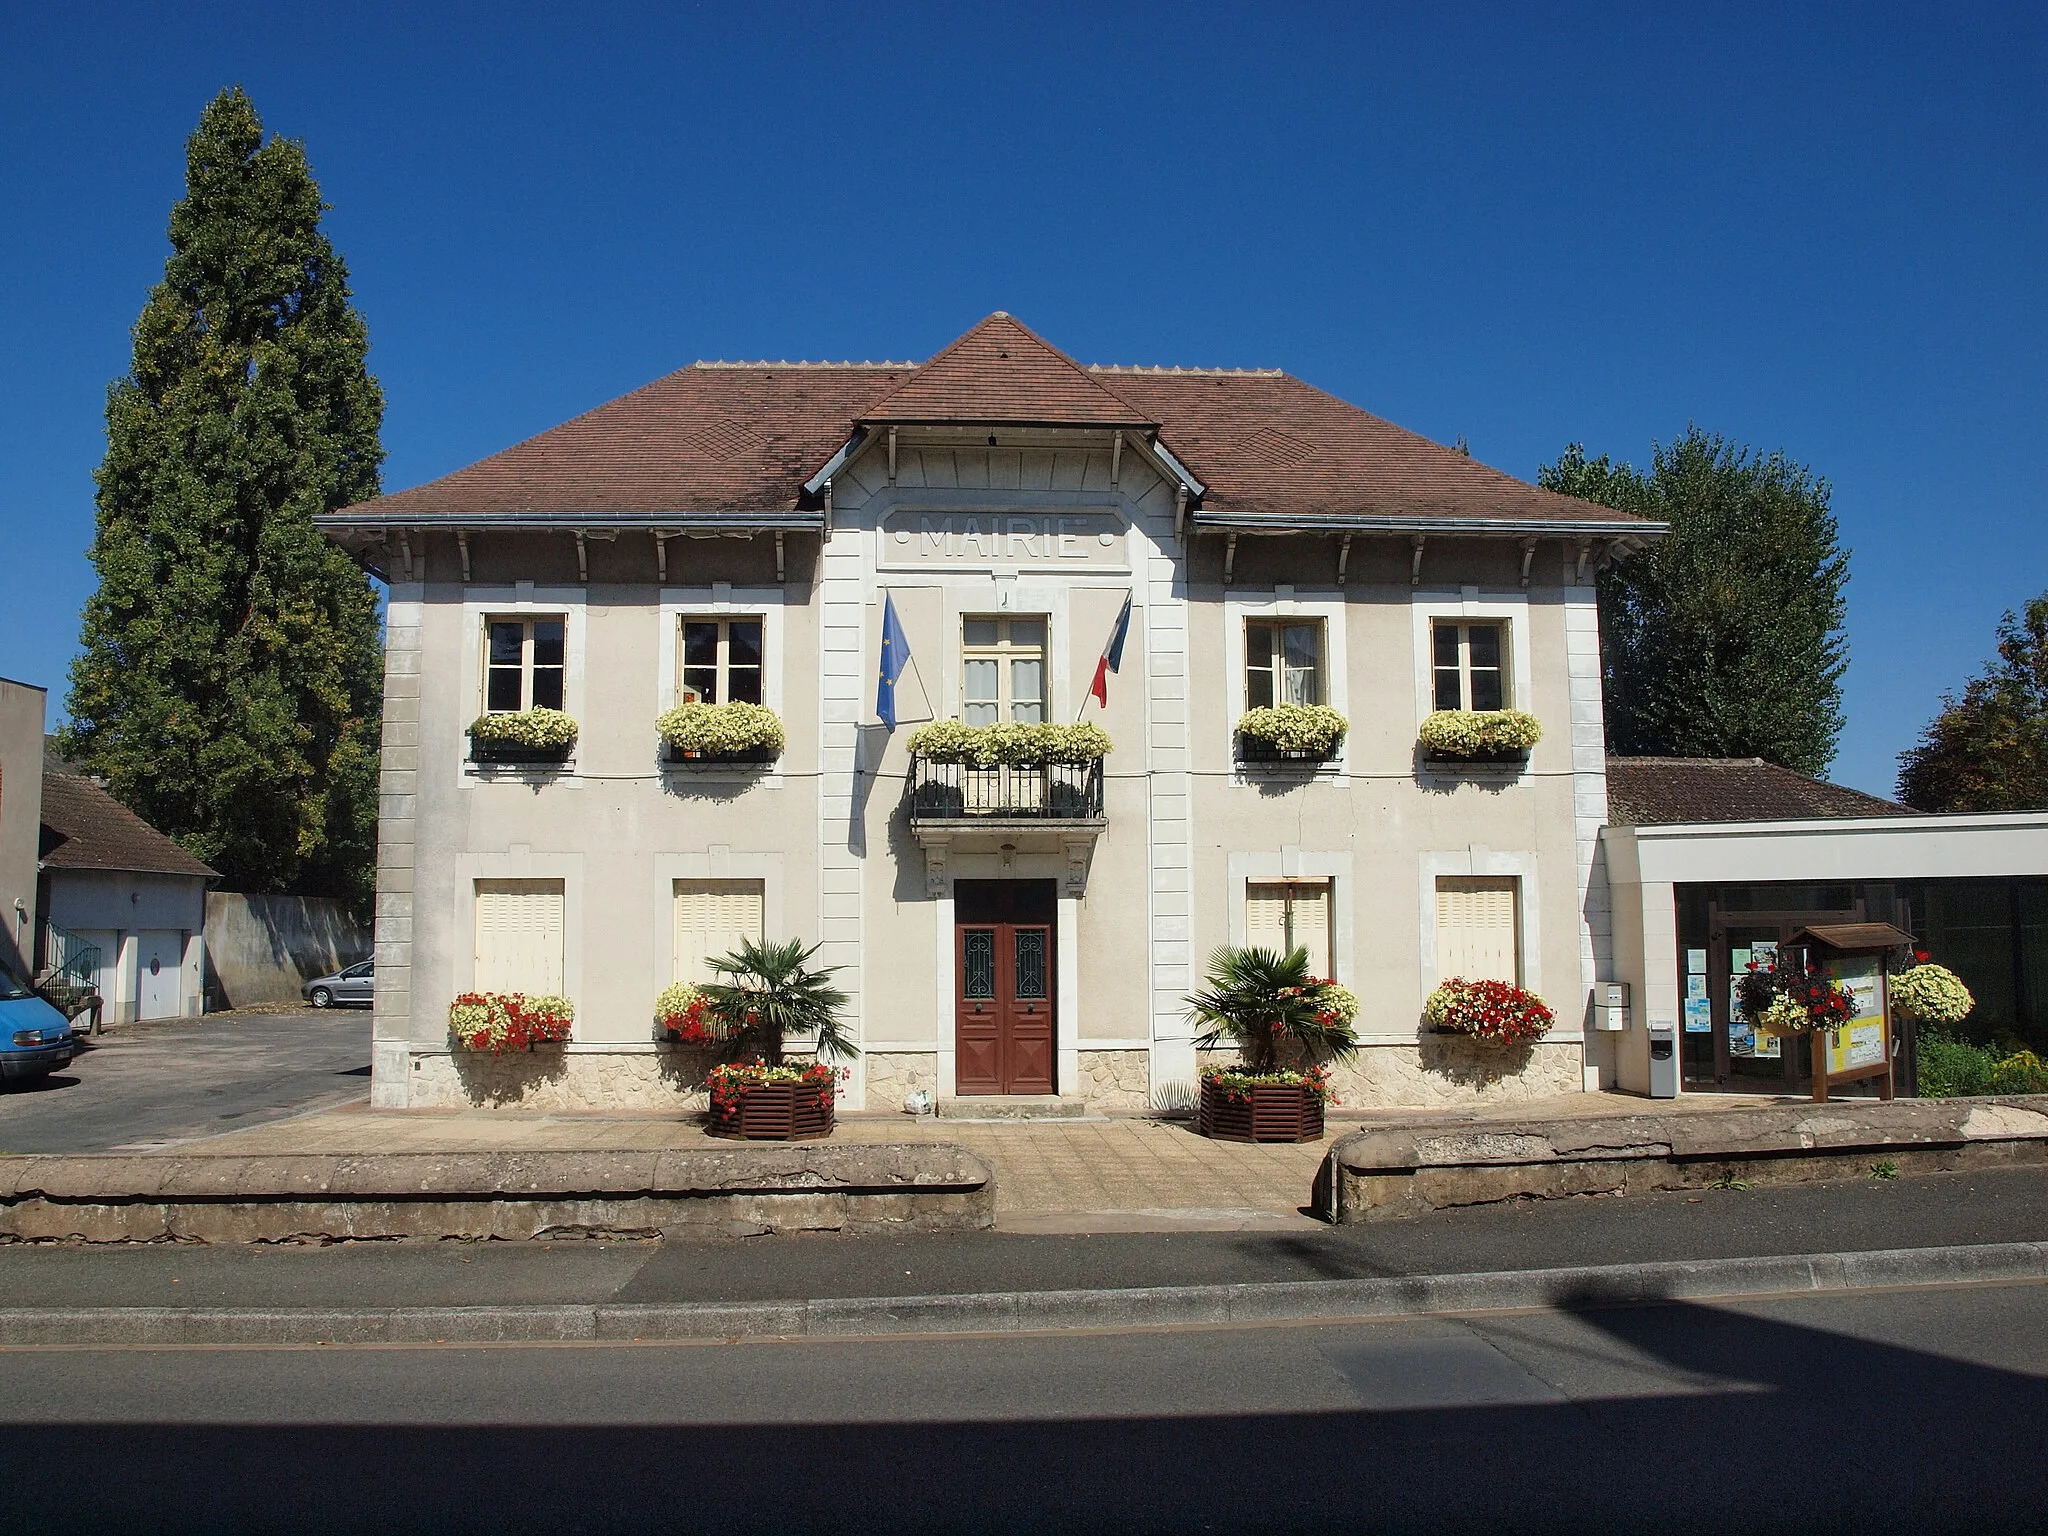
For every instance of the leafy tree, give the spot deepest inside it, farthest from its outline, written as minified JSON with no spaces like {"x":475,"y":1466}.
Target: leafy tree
{"x":1723,"y":639}
{"x":228,"y":689}
{"x":1988,"y":750}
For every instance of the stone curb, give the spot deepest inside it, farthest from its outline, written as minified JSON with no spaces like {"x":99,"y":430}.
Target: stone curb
{"x":1032,"y":1311}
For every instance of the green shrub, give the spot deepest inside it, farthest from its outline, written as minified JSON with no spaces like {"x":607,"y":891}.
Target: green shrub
{"x":2023,"y":1072}
{"x":1950,"y":1068}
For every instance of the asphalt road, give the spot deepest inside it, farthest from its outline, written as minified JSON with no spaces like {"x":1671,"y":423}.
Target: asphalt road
{"x":1887,"y":1411}
{"x":1935,"y":1210}
{"x":145,"y":1086}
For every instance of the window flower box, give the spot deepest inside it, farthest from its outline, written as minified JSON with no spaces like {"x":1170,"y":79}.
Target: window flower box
{"x":718,"y":735}
{"x":1013,"y":744}
{"x":1495,"y":1013}
{"x":522,"y":736}
{"x":508,"y":1021}
{"x":1290,"y":733}
{"x":1458,"y":736}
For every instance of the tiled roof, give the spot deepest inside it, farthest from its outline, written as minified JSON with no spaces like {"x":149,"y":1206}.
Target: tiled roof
{"x":1655,"y":791}
{"x":744,"y":438}
{"x":1001,"y":371}
{"x":710,"y":437}
{"x":84,"y":827}
{"x":1266,"y":444}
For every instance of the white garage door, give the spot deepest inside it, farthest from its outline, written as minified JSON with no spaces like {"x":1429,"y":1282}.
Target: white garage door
{"x":519,"y":936}
{"x":159,"y":956}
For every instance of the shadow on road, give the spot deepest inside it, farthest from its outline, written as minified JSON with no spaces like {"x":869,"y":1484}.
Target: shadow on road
{"x":1813,"y":1433}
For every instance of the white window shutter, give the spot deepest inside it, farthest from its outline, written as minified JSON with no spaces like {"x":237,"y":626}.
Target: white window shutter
{"x":519,"y":936}
{"x":1312,"y":925}
{"x":712,"y":917}
{"x":1265,"y":917}
{"x":1477,"y":933}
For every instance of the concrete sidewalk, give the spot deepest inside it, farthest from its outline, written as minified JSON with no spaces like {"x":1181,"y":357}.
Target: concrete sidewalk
{"x":1119,"y":1174}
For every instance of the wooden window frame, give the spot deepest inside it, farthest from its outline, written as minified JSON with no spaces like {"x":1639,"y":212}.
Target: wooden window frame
{"x":1277,"y":671}
{"x":722,"y":668}
{"x":1004,"y":653}
{"x":1462,"y":670}
{"x":527,"y":666}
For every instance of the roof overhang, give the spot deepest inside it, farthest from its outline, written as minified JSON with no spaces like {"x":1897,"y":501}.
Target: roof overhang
{"x":1142,"y":435}
{"x":785,"y":520}
{"x":1461,"y":527}
{"x":1952,"y":845}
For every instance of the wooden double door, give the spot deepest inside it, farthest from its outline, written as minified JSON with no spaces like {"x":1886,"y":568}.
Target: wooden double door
{"x":1005,"y":1034}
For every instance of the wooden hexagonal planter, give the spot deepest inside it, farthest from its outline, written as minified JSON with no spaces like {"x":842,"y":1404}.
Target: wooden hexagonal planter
{"x":1273,"y":1112}
{"x":775,"y":1112}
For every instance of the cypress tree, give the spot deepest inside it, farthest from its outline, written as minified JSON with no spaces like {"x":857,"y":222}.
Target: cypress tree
{"x":229,"y":685}
{"x":1723,"y":639}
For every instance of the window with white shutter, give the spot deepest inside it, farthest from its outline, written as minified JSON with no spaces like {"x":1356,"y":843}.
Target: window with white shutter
{"x":519,"y":936}
{"x":1478,"y":928}
{"x":712,"y":917}
{"x":1281,"y":914}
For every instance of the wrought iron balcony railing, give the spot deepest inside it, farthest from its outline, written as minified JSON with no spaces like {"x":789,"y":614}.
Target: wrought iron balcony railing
{"x":1039,"y":791}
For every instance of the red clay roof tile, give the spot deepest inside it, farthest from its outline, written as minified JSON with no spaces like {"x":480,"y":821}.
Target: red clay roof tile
{"x":720,"y":437}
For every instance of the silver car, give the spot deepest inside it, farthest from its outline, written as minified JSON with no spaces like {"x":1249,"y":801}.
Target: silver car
{"x":350,"y":986}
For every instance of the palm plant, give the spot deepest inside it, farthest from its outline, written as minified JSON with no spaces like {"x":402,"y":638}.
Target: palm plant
{"x":770,"y":992}
{"x":1267,"y":1003}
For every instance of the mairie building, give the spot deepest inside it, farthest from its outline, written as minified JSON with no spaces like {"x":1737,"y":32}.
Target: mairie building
{"x":741,"y":532}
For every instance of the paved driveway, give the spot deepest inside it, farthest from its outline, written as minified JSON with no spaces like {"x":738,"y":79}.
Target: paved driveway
{"x":147,"y":1086}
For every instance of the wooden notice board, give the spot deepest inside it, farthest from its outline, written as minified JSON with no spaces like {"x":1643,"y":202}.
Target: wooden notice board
{"x":1855,"y":956}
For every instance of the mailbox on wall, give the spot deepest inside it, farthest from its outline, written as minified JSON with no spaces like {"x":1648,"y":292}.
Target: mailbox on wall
{"x":1610,"y":1005}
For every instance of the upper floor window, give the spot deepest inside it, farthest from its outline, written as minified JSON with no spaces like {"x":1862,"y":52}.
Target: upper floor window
{"x":1469,"y":666}
{"x":1002,"y":670}
{"x":524,"y":664}
{"x":1283,"y":662}
{"x":721,"y":661}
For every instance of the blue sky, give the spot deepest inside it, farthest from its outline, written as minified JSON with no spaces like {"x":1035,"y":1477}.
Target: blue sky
{"x":1813,"y":228}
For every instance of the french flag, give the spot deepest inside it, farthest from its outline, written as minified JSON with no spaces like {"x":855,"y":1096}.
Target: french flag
{"x":1112,"y":655}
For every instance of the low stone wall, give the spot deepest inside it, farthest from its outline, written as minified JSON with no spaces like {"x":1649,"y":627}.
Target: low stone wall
{"x":1392,"y":1171}
{"x":737,"y":1191}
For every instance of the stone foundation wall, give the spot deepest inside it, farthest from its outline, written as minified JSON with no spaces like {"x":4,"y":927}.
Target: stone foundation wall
{"x":1447,"y":1072}
{"x":1452,"y":1072}
{"x":550,"y":1078}
{"x":894,"y":1075}
{"x":1115,"y":1079}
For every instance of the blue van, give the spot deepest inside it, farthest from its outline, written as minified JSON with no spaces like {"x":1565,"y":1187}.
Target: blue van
{"x":34,"y":1037}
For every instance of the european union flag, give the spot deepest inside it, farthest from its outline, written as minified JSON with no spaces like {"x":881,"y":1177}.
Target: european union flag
{"x":895,"y":657}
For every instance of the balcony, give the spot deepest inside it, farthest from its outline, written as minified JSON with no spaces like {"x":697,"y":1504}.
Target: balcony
{"x":1033,"y":809}
{"x":1009,"y":791}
